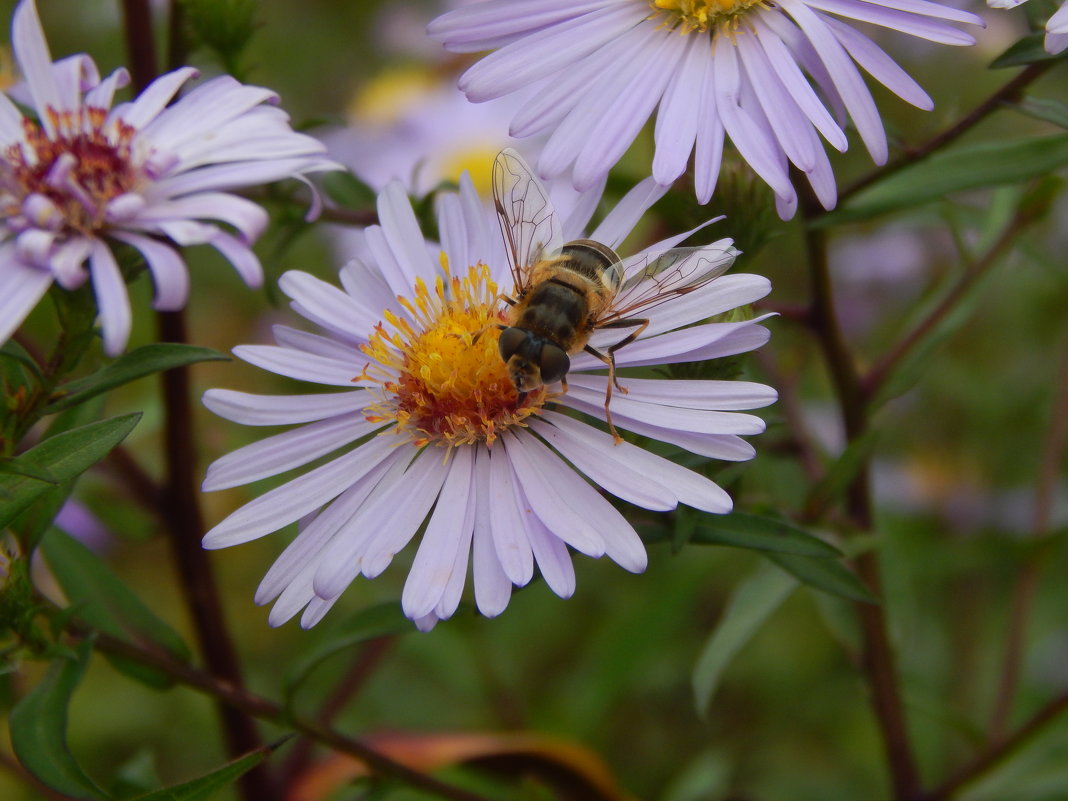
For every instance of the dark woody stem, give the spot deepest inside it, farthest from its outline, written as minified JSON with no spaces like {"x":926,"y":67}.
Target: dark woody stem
{"x":1007,"y":93}
{"x":251,"y":705}
{"x":877,"y":658}
{"x":178,"y":498}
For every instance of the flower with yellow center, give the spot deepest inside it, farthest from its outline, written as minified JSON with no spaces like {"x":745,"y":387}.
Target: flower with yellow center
{"x":412,"y":123}
{"x":82,"y":175}
{"x":423,"y":429}
{"x":760,"y":74}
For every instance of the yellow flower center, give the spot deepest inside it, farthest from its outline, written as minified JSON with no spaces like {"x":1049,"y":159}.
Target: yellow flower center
{"x":476,"y":160}
{"x":80,"y":170}
{"x":441,"y":377}
{"x":703,"y":16}
{"x":384,"y":100}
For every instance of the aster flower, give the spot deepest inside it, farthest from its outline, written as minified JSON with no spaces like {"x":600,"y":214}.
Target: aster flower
{"x":429,"y":427}
{"x":1056,"y":25}
{"x":592,"y":73}
{"x":84,"y":175}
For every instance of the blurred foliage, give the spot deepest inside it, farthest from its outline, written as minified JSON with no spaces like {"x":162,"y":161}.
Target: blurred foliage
{"x":781,"y":709}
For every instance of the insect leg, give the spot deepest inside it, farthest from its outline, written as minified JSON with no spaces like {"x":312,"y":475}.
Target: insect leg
{"x":610,"y":360}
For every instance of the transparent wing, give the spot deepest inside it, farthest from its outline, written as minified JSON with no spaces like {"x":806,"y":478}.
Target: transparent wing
{"x":647,"y":280}
{"x":529,"y":224}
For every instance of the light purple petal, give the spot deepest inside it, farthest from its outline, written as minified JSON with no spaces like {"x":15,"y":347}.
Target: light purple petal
{"x":169,"y":272}
{"x":273,"y":410}
{"x":477,"y":27}
{"x":554,"y":561}
{"x":294,"y":499}
{"x":447,"y":533}
{"x":533,"y":465}
{"x":301,"y":366}
{"x":23,"y":287}
{"x":492,"y":587}
{"x":281,"y":452}
{"x":677,"y":119}
{"x":154,"y":98}
{"x":35,"y":62}
{"x":111,"y":298}
{"x":240,"y":255}
{"x":689,"y":487}
{"x":506,"y":517}
{"x":688,"y":394}
{"x":620,"y":221}
{"x":329,"y":305}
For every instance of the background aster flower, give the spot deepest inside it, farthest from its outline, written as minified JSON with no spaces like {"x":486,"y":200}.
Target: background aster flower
{"x":83,"y":175}
{"x":593,"y":72}
{"x":429,"y":427}
{"x":1056,"y":26}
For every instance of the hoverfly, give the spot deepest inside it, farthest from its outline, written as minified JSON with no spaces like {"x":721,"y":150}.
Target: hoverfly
{"x":565,"y":292}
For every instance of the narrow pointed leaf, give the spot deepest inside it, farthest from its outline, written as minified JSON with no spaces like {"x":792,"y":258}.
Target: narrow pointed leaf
{"x":130,"y":366}
{"x":64,"y":456}
{"x":105,"y":603}
{"x":751,"y":603}
{"x":975,"y":167}
{"x":761,"y":534}
{"x":204,"y":786}
{"x":827,"y":575}
{"x":39,"y":730}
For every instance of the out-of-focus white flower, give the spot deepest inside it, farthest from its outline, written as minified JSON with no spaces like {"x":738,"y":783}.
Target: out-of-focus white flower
{"x":83,"y":175}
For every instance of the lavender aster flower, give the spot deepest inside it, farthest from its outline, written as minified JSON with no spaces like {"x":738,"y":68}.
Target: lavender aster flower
{"x":1056,"y":25}
{"x":83,"y":175}
{"x":752,"y":71}
{"x":429,"y":427}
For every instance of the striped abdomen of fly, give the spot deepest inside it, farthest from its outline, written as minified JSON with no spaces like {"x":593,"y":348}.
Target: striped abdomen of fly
{"x":555,"y":314}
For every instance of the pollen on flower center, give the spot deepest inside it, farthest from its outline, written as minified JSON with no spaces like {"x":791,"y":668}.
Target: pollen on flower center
{"x":66,"y":180}
{"x":441,"y":378}
{"x":703,"y":16}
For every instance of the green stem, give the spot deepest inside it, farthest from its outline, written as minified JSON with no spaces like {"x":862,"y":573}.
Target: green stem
{"x":1007,"y":93}
{"x":877,"y":657}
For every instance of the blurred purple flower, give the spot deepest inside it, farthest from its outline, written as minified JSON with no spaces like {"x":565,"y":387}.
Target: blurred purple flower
{"x":1056,"y":25}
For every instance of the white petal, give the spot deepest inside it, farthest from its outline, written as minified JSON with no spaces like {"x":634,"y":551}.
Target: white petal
{"x":111,"y":298}
{"x":533,"y":466}
{"x":492,"y":587}
{"x":447,"y":533}
{"x":272,"y":410}
{"x":294,"y":499}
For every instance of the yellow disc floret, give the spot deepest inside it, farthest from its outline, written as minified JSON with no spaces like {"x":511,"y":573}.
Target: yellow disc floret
{"x":703,"y":16}
{"x":439,"y":375}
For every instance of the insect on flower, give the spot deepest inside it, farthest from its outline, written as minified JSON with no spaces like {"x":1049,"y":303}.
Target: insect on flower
{"x":565,"y":292}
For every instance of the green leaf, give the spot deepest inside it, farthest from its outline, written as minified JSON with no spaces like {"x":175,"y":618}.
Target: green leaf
{"x":751,"y":603}
{"x":1044,"y":109}
{"x":65,"y":456}
{"x":39,"y":729}
{"x":205,"y":785}
{"x":105,"y":603}
{"x":376,"y":621}
{"x":348,"y":191}
{"x":741,"y":530}
{"x":845,"y":468}
{"x":130,"y":366}
{"x":827,"y":575}
{"x":1028,"y":50}
{"x":974,"y":167}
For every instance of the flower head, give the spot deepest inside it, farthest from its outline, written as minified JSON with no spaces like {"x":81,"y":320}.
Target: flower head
{"x":1056,"y":25}
{"x":82,"y":175}
{"x":430,"y":428}
{"x":593,"y":72}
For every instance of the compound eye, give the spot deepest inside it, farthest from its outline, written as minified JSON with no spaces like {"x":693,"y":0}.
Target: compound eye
{"x":510,"y":341}
{"x":554,"y":363}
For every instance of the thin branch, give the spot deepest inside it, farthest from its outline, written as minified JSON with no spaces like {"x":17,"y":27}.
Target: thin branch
{"x":1007,"y":93}
{"x":251,"y":705}
{"x":180,"y":505}
{"x":1056,"y":442}
{"x":140,"y":42}
{"x":879,"y":374}
{"x":998,"y":753}
{"x":877,"y":657}
{"x":354,"y":680}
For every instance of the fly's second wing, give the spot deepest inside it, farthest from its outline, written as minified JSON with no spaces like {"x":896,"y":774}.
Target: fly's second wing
{"x":529,"y":224}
